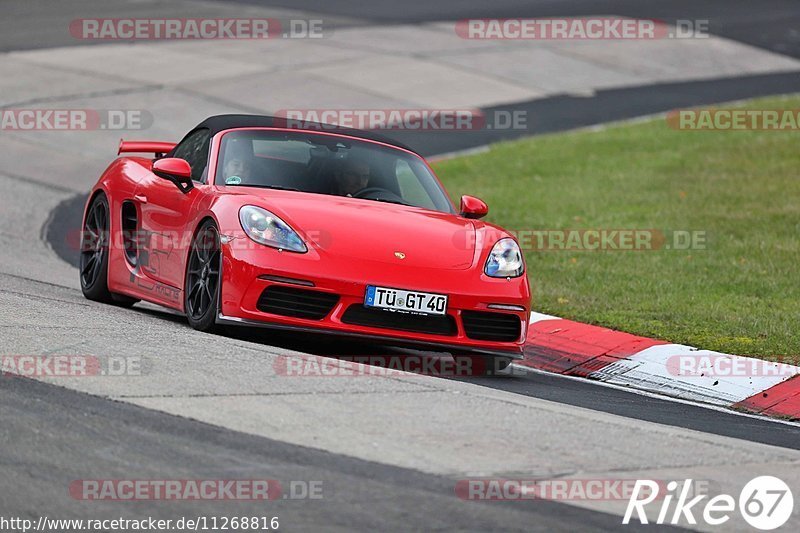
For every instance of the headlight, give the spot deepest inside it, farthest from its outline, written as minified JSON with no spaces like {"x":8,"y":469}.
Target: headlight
{"x":505,"y":260}
{"x":268,"y":229}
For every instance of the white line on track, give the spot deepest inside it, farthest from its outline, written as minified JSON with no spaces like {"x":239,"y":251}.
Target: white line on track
{"x":658,"y":396}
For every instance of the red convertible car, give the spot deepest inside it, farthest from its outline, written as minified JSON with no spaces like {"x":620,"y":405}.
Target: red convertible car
{"x":248,"y":221}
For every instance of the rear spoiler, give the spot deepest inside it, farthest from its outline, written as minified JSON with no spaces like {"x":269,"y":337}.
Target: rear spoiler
{"x":158,"y":148}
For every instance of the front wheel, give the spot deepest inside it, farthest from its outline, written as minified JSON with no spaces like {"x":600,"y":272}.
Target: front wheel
{"x":203,"y":278}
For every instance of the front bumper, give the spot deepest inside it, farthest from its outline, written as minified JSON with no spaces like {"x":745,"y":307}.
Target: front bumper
{"x":246,"y":276}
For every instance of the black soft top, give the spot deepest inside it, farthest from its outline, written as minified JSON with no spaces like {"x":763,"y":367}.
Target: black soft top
{"x":218,"y":123}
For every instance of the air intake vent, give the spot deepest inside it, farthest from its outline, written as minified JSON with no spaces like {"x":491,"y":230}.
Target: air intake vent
{"x":377,"y":318}
{"x":491,"y":326}
{"x":298,"y":303}
{"x":130,"y":236}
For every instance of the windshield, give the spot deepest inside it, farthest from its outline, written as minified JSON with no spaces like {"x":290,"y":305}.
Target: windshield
{"x":328,"y":164}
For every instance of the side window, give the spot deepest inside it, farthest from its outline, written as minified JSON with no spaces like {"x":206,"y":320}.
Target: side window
{"x":194,"y":149}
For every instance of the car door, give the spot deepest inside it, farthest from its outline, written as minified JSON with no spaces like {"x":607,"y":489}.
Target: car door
{"x":166,"y":212}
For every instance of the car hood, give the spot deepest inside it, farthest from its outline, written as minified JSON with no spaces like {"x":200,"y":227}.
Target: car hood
{"x":375,"y":231}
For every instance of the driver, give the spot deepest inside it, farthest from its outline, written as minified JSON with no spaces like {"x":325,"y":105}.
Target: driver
{"x":236,"y":171}
{"x":351,"y":177}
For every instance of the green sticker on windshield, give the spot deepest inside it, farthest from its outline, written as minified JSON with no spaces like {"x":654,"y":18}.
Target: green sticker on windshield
{"x":233,"y":180}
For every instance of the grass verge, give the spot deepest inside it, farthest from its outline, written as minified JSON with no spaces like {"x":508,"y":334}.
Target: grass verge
{"x":739,"y":294}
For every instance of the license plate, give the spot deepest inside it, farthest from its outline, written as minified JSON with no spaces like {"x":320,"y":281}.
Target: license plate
{"x":406,"y":301}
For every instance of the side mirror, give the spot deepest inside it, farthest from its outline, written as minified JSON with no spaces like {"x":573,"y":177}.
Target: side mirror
{"x":175,"y":170}
{"x":472,"y":207}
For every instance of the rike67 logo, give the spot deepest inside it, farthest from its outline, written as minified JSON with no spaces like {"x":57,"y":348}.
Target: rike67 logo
{"x":766,"y":503}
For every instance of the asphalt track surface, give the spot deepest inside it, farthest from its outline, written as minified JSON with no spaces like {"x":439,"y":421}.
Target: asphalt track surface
{"x":772,"y":24}
{"x":58,"y":434}
{"x":52,"y":435}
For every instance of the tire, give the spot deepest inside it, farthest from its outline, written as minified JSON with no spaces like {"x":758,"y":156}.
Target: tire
{"x":201,"y":291}
{"x":93,"y":266}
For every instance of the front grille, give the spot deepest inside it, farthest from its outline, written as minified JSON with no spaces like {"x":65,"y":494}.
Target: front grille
{"x":359,"y":315}
{"x":298,"y":303}
{"x":491,"y":326}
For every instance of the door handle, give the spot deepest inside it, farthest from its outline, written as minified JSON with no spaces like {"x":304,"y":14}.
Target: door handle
{"x":142,"y":199}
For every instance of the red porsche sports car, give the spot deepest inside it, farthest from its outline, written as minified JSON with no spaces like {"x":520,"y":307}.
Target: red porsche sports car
{"x":248,"y":221}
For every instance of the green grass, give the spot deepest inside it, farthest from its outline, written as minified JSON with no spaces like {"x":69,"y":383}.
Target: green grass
{"x":740,"y":295}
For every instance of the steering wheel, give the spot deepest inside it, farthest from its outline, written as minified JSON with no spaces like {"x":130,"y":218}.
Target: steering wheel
{"x":379,"y":194}
{"x":363,"y":193}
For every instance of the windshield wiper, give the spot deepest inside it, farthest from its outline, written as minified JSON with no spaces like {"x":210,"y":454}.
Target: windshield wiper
{"x":398,"y":202}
